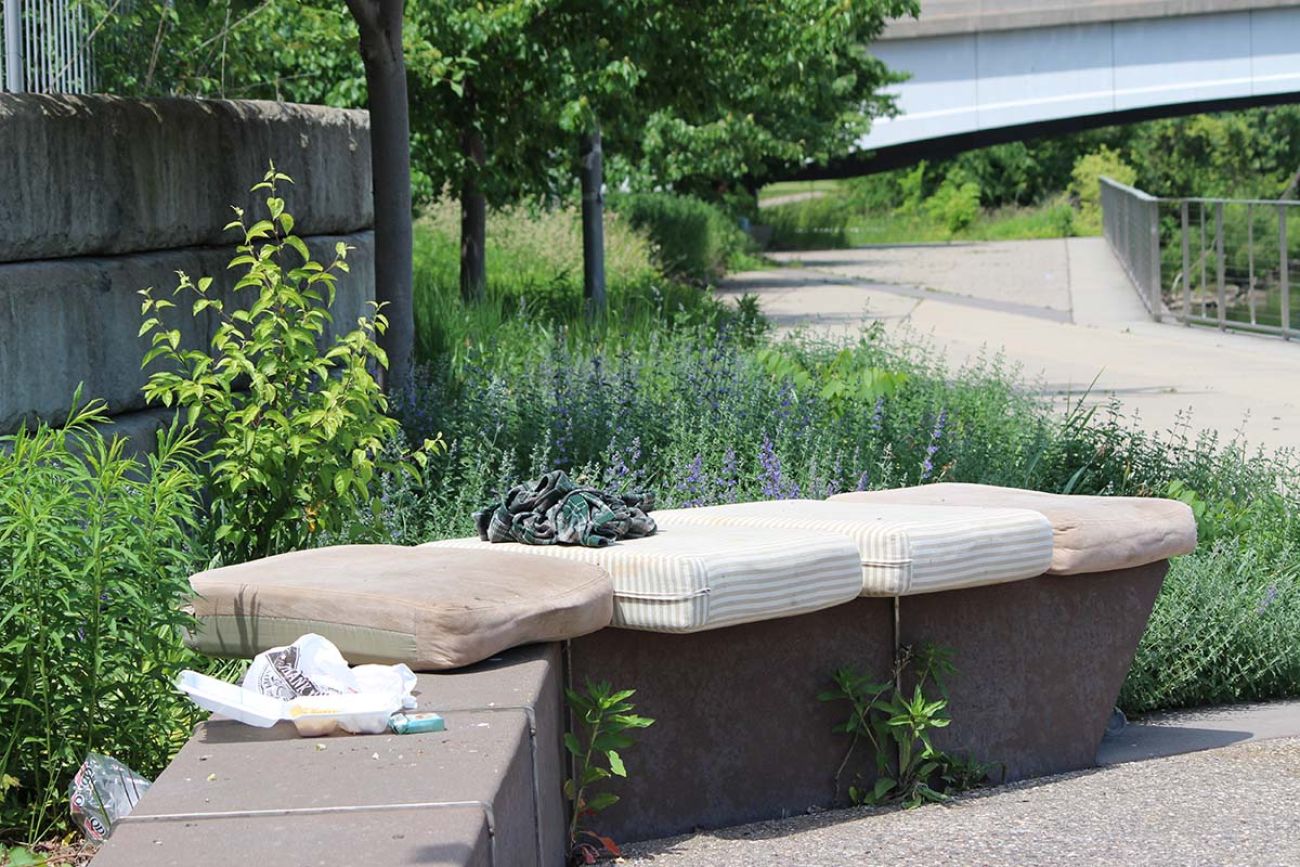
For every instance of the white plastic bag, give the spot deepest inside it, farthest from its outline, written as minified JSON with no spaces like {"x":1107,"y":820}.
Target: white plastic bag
{"x":304,"y":674}
{"x":312,"y":665}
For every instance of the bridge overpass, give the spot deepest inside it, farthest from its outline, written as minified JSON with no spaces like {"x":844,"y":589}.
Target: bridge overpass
{"x":989,"y":71}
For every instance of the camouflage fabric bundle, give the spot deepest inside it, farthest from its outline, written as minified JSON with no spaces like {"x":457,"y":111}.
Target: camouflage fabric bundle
{"x":554,"y":511}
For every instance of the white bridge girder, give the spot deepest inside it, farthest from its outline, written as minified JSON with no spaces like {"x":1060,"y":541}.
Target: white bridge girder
{"x":976,"y":73}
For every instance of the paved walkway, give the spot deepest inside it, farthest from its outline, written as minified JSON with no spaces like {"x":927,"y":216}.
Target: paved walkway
{"x":1237,"y":805}
{"x":1062,"y":309}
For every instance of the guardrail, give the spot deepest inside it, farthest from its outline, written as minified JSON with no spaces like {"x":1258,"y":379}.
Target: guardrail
{"x":1225,"y":263}
{"x":1130,"y":220}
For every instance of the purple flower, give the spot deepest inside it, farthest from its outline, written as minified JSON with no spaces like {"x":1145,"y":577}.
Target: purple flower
{"x":864,"y":480}
{"x":730,"y":476}
{"x":878,"y":415}
{"x":771,"y":476}
{"x":1270,"y":596}
{"x":936,"y":435}
{"x":691,"y":484}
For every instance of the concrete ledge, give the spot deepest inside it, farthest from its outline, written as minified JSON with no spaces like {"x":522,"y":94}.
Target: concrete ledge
{"x":75,"y":321}
{"x":484,"y":792}
{"x":99,"y":175}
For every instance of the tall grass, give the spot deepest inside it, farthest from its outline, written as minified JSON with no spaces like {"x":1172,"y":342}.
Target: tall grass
{"x":94,"y":554}
{"x":837,"y":221}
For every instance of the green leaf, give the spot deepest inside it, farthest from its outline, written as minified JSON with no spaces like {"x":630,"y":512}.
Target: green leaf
{"x":602,"y":801}
{"x":572,"y":745}
{"x":616,"y":764}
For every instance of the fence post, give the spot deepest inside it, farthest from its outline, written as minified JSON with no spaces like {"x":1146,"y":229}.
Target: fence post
{"x":1153,"y":292}
{"x":1219,"y":266}
{"x":1187,"y":266}
{"x":13,"y":47}
{"x":1284,"y":275}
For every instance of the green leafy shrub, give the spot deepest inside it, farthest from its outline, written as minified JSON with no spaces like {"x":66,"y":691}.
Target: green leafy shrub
{"x":692,"y":239}
{"x":1085,"y":184}
{"x":295,"y":419}
{"x":955,"y":205}
{"x":1223,"y":630}
{"x":95,"y":550}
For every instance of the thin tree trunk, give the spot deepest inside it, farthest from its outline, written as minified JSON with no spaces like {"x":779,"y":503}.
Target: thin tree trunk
{"x":380,"y":25}
{"x":591,"y":172}
{"x":473,"y":208}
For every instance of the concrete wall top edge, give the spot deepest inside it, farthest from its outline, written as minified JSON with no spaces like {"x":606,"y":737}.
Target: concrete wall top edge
{"x":952,"y":17}
{"x":103,"y":175}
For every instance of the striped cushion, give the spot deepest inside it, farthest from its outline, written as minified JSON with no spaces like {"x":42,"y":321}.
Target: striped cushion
{"x":688,"y":579}
{"x":904,"y":549}
{"x":1091,"y":534}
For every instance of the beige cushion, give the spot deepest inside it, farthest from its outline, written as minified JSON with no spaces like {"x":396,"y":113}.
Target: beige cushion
{"x":688,"y":579}
{"x":904,"y":549}
{"x":1089,"y":534}
{"x":431,"y":609}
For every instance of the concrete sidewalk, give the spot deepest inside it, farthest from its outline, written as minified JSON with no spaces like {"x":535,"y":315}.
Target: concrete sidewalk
{"x":1062,"y":309}
{"x":1216,"y":785}
{"x":1237,"y":805}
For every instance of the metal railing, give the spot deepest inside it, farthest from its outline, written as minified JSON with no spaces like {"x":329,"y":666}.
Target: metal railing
{"x":1225,"y":263}
{"x":46,"y":46}
{"x":1130,"y":220}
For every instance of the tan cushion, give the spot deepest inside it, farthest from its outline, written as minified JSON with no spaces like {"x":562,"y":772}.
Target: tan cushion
{"x":1089,"y":534}
{"x":429,"y":608}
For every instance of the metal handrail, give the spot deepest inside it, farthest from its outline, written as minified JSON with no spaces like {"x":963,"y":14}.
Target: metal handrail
{"x":1131,"y":220}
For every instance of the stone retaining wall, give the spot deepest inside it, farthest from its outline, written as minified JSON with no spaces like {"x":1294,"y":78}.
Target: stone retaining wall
{"x":101,"y":197}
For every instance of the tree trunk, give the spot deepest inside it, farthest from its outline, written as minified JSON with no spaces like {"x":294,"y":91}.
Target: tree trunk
{"x":473,"y":208}
{"x":380,"y":25}
{"x":593,"y":228}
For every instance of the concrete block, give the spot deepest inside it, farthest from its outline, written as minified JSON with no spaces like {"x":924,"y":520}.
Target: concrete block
{"x":465,"y":796}
{"x":72,"y":321}
{"x":100,"y":175}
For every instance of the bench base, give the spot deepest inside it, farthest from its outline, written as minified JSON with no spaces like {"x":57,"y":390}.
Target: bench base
{"x":486,"y":792}
{"x":740,"y":735}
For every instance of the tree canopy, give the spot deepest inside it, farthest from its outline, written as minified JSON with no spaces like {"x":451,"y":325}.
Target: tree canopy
{"x":685,"y":92}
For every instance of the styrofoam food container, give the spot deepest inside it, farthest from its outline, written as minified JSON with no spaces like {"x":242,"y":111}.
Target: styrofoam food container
{"x":312,"y":716}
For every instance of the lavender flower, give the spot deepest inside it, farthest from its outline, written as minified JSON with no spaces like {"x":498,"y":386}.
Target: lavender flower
{"x":878,"y":415}
{"x":864,"y":480}
{"x":771,"y":477}
{"x":936,"y":435}
{"x":1270,"y":596}
{"x":730,"y":476}
{"x":691,"y":484}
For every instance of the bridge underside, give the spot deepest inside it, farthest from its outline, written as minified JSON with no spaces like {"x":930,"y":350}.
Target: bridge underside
{"x":972,"y":88}
{"x":910,"y":153}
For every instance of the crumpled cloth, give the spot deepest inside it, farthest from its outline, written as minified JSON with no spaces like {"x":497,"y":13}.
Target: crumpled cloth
{"x":554,"y":511}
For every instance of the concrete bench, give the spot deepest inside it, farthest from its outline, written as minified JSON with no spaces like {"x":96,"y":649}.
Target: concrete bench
{"x":727,"y":623}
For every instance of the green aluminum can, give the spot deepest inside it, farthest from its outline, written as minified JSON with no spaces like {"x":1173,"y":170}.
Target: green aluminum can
{"x":416,"y":723}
